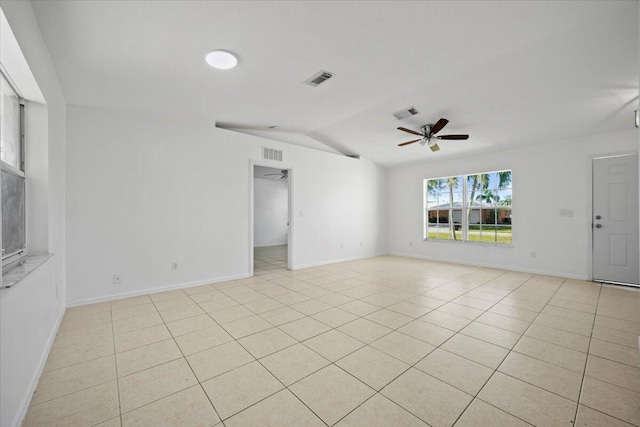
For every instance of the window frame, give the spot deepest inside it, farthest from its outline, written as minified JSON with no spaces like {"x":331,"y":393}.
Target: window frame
{"x":16,"y":258}
{"x":465,"y":208}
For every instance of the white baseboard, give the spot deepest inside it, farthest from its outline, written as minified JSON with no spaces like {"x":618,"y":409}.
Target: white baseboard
{"x":154,"y":290}
{"x":270,"y":245}
{"x":500,"y":267}
{"x":111,"y":297}
{"x":334,"y":261}
{"x":24,"y":407}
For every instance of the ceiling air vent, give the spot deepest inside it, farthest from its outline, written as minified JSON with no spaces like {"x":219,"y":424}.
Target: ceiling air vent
{"x":404,"y":113}
{"x":271,"y":154}
{"x":318,"y":78}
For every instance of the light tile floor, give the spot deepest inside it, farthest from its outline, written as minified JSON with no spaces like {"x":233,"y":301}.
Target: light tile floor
{"x":386,"y":341}
{"x":269,"y":258}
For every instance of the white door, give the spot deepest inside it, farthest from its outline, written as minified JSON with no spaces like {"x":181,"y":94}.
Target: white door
{"x":615,"y":219}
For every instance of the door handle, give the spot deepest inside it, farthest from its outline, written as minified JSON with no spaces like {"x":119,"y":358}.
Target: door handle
{"x":598,"y":225}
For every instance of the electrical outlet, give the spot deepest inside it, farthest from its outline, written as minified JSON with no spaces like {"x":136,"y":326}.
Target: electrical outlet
{"x":117,"y":279}
{"x":360,"y":244}
{"x":341,"y":246}
{"x":534,"y":254}
{"x":174,"y":265}
{"x":410,"y":243}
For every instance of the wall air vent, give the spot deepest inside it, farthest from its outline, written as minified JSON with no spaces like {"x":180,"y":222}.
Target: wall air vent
{"x":271,"y":154}
{"x":318,"y":78}
{"x":406,"y":112}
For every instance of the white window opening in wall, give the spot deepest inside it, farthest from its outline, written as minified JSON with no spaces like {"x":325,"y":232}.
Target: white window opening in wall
{"x":469,"y":208}
{"x":14,"y":235}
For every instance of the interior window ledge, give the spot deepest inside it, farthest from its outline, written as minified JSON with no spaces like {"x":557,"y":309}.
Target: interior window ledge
{"x":16,"y":274}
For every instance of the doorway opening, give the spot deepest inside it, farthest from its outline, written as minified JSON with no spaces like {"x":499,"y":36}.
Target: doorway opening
{"x":615,"y":220}
{"x":271,"y":219}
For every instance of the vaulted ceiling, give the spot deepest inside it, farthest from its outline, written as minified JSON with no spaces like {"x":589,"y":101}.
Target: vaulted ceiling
{"x":507,"y":72}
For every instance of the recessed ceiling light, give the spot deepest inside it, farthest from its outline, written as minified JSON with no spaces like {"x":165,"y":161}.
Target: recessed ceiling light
{"x":221,"y":59}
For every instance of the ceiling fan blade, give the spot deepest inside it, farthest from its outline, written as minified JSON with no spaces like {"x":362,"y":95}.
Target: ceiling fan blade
{"x":453,"y":137}
{"x":272,"y":174}
{"x":408,"y":142}
{"x":434,"y":147}
{"x":410,"y":131}
{"x":438,"y":126}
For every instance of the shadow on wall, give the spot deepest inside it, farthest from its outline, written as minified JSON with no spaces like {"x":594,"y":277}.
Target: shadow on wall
{"x":271,"y":212}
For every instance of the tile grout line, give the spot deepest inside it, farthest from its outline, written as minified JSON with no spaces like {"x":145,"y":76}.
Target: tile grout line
{"x":277,"y":326}
{"x":115,"y":362}
{"x":183,"y":357}
{"x":586,"y":361}
{"x":497,"y":369}
{"x":258,"y":361}
{"x":410,"y":366}
{"x":82,"y":389}
{"x":485,"y":311}
{"x":337,"y":307}
{"x":283,"y":384}
{"x":380,"y":289}
{"x":473,"y":397}
{"x":365,"y":344}
{"x":299,"y":342}
{"x":189,"y":364}
{"x":331,"y":363}
{"x":609,"y":415}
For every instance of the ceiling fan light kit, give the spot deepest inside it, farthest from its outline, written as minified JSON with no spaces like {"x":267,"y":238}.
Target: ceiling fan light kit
{"x":428,"y":135}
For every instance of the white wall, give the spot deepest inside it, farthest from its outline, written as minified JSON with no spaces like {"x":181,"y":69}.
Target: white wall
{"x":28,"y":322}
{"x":37,"y":172}
{"x":546,"y":178}
{"x":146,"y":191}
{"x":271,"y":212}
{"x":31,"y":310}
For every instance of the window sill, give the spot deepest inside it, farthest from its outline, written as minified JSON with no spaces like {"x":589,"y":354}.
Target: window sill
{"x":470,"y":243}
{"x":16,"y":274}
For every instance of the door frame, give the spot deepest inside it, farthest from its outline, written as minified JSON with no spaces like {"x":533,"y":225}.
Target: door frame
{"x":590,"y":204}
{"x":290,"y":181}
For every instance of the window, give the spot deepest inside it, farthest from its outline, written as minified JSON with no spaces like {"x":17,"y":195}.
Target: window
{"x":469,"y":208}
{"x":14,"y":242}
